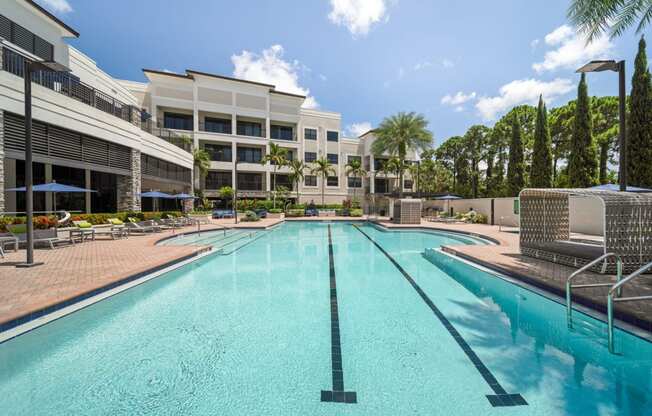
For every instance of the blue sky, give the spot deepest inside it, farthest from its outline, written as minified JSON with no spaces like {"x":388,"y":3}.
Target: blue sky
{"x":458,"y":63}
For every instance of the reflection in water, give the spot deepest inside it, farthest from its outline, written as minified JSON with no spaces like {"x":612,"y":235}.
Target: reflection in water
{"x":541,"y":346}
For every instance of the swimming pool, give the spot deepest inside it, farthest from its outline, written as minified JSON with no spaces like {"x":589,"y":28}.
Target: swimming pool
{"x":325,"y":319}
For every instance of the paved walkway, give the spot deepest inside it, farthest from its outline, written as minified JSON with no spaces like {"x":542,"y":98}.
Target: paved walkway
{"x":70,"y":271}
{"x":507,"y":259}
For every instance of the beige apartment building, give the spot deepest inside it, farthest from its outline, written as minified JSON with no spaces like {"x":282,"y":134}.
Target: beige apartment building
{"x":236,"y":120}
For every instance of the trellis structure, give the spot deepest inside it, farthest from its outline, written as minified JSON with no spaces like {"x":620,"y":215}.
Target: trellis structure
{"x":545,"y":228}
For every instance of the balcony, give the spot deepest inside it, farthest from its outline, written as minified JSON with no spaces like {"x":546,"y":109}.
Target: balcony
{"x":213,"y":127}
{"x":70,"y":86}
{"x":175,"y":137}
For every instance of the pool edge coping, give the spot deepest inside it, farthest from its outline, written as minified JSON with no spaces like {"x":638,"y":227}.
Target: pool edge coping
{"x":35,"y":319}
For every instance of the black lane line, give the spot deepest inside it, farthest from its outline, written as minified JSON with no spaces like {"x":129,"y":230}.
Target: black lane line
{"x":501,"y":398}
{"x":338,"y":394}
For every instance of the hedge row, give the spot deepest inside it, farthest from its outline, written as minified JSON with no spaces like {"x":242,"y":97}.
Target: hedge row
{"x":42,"y":222}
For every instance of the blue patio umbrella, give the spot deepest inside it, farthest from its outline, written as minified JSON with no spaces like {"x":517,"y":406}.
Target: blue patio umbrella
{"x":183,"y":196}
{"x":54,"y":188}
{"x":156,"y":194}
{"x":614,"y":187}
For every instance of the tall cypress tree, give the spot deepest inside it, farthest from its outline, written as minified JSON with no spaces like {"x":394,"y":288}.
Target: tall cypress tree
{"x":639,"y":134}
{"x":541,"y":169}
{"x":582,"y":161}
{"x":516,"y":165}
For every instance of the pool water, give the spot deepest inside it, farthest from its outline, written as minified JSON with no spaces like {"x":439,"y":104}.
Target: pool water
{"x":289,"y":324}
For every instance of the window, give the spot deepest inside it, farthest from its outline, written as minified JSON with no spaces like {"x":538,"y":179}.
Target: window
{"x":250,"y":154}
{"x":310,"y":157}
{"x":351,"y":158}
{"x":332,"y":181}
{"x":380,"y":186}
{"x":289,"y":156}
{"x":310,"y":134}
{"x":177,"y":121}
{"x":249,"y":128}
{"x":378,"y":163}
{"x":217,"y":125}
{"x":281,"y":132}
{"x":216,"y":179}
{"x":219,"y":152}
{"x":284,"y":181}
{"x":354,"y":182}
{"x":407,"y":184}
{"x":332,"y":158}
{"x":250,"y":182}
{"x":332,"y":136}
{"x":310,"y":180}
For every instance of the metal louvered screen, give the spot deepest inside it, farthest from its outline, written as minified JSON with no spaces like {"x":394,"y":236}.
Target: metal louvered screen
{"x":23,"y":38}
{"x":119,"y":156}
{"x":65,"y":144}
{"x":95,"y":151}
{"x":43,"y":49}
{"x":14,"y":131}
{"x":158,"y":168}
{"x":5,"y":27}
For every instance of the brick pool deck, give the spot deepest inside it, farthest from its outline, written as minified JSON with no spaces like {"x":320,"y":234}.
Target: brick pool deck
{"x":72,"y":271}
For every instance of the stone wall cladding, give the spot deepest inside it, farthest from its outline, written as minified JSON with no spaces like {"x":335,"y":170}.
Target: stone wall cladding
{"x":128,"y":187}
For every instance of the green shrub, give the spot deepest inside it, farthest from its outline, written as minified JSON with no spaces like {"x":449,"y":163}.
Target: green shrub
{"x":275,"y":211}
{"x":294,"y":213}
{"x":297,"y":206}
{"x":250,"y":216}
{"x":355,"y":213}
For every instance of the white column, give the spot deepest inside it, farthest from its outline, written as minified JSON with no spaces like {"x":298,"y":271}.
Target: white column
{"x":234,"y":158}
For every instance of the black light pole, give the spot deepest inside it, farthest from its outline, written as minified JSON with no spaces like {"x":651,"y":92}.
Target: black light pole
{"x":599,"y":66}
{"x":28,"y":67}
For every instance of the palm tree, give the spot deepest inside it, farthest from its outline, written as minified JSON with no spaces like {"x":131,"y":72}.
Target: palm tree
{"x":322,"y":167}
{"x":397,"y":167}
{"x":297,"y":168}
{"x":594,"y":17}
{"x":201,"y":161}
{"x":354,"y":167}
{"x":398,"y":133}
{"x":277,"y":156}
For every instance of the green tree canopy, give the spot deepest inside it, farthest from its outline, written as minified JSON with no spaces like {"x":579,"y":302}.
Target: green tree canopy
{"x":516,"y":166}
{"x":541,"y":167}
{"x":582,"y":160}
{"x":639,"y":134}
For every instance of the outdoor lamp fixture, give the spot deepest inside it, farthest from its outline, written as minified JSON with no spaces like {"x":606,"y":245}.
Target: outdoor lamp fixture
{"x":28,"y":68}
{"x":599,"y":66}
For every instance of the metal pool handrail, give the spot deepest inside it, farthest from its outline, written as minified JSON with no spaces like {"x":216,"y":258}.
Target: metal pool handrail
{"x":613,"y":296}
{"x":569,"y":286}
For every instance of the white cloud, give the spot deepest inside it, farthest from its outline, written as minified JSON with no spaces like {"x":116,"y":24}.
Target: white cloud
{"x":270,"y":68}
{"x":571,"y":49}
{"x":422,"y":65}
{"x":458,"y":99}
{"x":534,"y":44}
{"x":323,"y":77}
{"x":356,"y":129}
{"x":522,"y":91}
{"x":447,"y":63}
{"x":358,"y":15}
{"x":57,"y":6}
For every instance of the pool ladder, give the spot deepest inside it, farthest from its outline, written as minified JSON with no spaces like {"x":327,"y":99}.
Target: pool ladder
{"x":614,"y":294}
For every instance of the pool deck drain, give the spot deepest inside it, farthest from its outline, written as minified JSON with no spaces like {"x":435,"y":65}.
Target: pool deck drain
{"x":501,"y":398}
{"x":337,"y":395}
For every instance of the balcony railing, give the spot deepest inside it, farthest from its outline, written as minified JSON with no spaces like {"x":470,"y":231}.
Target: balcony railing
{"x":70,"y":86}
{"x":212,"y":127}
{"x":175,"y":137}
